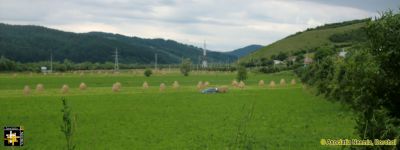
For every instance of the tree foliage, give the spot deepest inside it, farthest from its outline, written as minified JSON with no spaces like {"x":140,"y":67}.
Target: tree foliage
{"x":185,"y":66}
{"x":368,"y":79}
{"x":241,"y":73}
{"x":147,"y":72}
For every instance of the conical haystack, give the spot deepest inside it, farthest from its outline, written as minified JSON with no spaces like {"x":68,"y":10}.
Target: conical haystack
{"x":116,"y":87}
{"x":64,"y":89}
{"x":261,"y":83}
{"x":206,"y":84}
{"x":39,"y":88}
{"x":27,"y":90}
{"x":241,"y":85}
{"x":272,"y":84}
{"x":82,"y":86}
{"x":162,"y":87}
{"x":145,"y":85}
{"x":235,"y":83}
{"x":293,"y":82}
{"x":200,"y":85}
{"x":282,"y":82}
{"x":222,"y":89}
{"x":175,"y":85}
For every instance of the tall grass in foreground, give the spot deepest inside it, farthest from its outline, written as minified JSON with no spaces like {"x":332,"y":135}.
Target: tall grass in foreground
{"x":68,"y":126}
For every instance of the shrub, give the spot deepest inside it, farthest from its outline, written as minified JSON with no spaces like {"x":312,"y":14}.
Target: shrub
{"x":185,"y":67}
{"x":148,"y":72}
{"x":241,"y":73}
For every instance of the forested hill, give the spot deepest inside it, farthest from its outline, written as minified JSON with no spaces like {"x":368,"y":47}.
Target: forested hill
{"x":245,"y":50}
{"x":27,"y":43}
{"x":342,"y":34}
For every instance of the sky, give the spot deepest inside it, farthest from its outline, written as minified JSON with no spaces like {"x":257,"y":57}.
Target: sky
{"x":224,"y":25}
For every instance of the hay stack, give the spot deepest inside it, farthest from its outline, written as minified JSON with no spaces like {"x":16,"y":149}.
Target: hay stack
{"x":200,"y":85}
{"x":222,"y":89}
{"x":64,"y":89}
{"x":116,"y":87}
{"x":14,"y":75}
{"x":206,"y":84}
{"x":145,"y":85}
{"x":162,"y":87}
{"x":175,"y":85}
{"x":27,"y":90}
{"x":282,"y":82}
{"x":261,"y":83}
{"x":293,"y":82}
{"x":82,"y":86}
{"x":272,"y":84}
{"x":235,"y":83}
{"x":241,"y":85}
{"x":39,"y":88}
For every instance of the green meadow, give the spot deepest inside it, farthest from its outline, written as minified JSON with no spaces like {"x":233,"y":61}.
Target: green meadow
{"x":283,"y":117}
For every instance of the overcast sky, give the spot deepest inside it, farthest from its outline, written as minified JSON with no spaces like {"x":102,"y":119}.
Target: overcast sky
{"x":224,"y":24}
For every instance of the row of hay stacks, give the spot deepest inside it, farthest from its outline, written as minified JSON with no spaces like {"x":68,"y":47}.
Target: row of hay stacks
{"x":40,"y":88}
{"x":261,"y":83}
{"x":239,"y":85}
{"x":116,"y":87}
{"x":202,"y":85}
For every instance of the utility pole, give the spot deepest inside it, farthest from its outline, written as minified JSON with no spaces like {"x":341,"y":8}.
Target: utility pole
{"x":204,"y":60}
{"x":155,"y":62}
{"x":51,"y":61}
{"x":116,"y":67}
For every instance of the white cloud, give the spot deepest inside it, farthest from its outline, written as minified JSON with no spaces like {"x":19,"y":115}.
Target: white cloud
{"x":225,"y":25}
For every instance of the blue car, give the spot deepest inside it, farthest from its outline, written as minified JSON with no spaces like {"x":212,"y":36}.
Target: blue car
{"x":210,"y":91}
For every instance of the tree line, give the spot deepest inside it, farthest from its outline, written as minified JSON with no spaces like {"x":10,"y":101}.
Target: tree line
{"x":367,"y":79}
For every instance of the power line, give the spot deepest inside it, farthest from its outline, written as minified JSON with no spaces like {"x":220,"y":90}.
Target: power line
{"x":116,"y":66}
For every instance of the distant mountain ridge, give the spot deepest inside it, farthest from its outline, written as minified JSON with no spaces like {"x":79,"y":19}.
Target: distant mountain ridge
{"x":28,"y":43}
{"x":245,"y":50}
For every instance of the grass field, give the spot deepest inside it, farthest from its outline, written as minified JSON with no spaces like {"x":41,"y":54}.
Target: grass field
{"x":285,"y":117}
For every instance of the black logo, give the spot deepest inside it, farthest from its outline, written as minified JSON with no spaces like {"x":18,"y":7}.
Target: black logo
{"x":13,"y":136}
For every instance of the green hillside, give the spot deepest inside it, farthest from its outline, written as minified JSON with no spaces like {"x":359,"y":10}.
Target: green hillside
{"x":339,"y":34}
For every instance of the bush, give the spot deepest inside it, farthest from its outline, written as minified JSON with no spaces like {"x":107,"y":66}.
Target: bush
{"x":367,"y":79}
{"x":185,"y":67}
{"x":241,"y":73}
{"x":148,"y":72}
